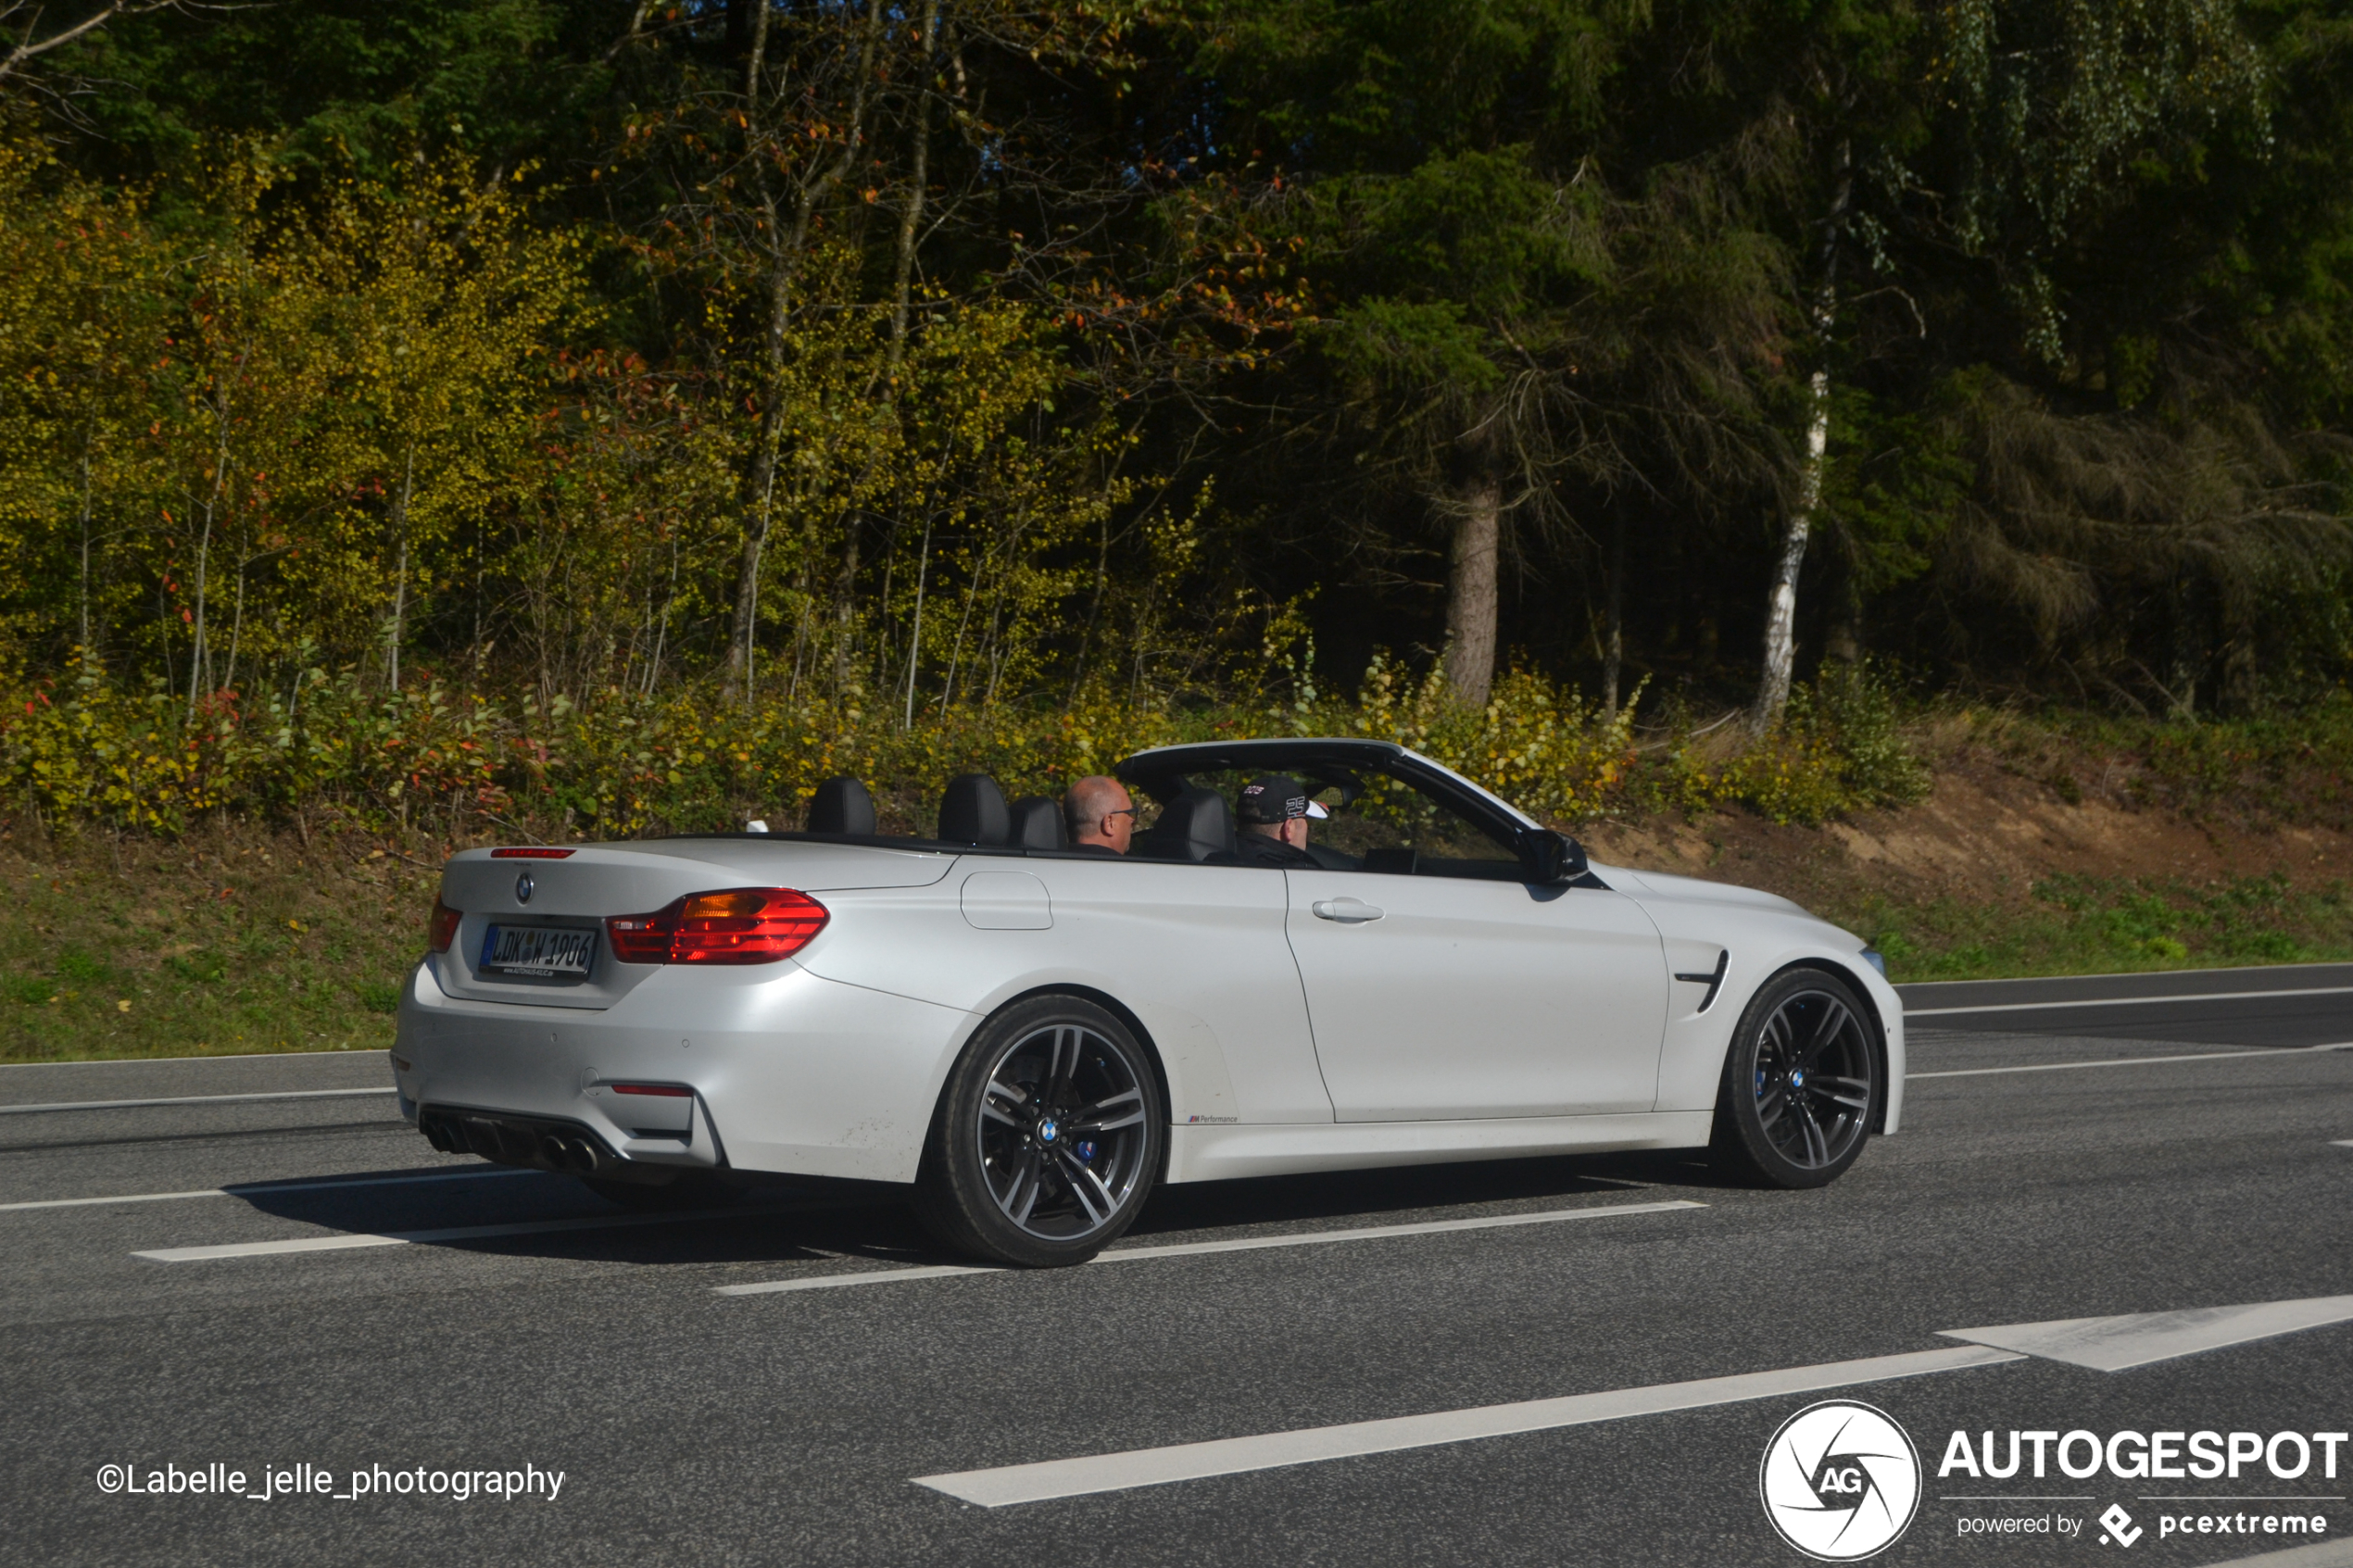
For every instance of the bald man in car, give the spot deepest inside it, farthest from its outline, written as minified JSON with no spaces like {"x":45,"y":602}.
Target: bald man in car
{"x":1102,"y":815}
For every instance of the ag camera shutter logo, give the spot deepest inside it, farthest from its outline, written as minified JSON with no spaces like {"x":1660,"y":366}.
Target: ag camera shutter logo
{"x":1840,"y":1481}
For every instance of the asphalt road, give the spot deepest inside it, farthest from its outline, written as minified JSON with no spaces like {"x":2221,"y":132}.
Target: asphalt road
{"x":790,"y":1427}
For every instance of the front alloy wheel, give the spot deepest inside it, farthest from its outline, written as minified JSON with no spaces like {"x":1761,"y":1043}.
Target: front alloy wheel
{"x":1048,"y":1140}
{"x":1801,"y":1084}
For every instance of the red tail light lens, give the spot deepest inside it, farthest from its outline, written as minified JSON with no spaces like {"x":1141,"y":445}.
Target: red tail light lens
{"x":442,"y":929}
{"x":642,"y":938}
{"x":531,"y":854}
{"x":741,"y":925}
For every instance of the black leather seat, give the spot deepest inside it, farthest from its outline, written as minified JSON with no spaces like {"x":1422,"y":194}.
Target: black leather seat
{"x":1037,"y":824}
{"x":1197,"y":825}
{"x":974,"y":812}
{"x":841,"y":804}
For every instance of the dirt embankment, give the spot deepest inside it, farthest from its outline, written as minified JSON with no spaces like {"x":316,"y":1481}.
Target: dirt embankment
{"x":1987,"y":840}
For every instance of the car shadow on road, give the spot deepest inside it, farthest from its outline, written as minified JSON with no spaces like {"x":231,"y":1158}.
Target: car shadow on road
{"x":803,"y":1221}
{"x":766,"y":1222}
{"x":1380,"y":1195}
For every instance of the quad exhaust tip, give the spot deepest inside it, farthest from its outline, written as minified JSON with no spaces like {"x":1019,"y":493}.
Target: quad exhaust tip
{"x":511,"y":1143}
{"x":575,"y":1155}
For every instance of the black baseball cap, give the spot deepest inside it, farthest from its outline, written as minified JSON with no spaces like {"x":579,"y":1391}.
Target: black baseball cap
{"x":1275,"y":797}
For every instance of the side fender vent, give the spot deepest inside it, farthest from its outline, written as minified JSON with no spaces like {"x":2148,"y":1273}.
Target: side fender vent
{"x":1713,"y":980}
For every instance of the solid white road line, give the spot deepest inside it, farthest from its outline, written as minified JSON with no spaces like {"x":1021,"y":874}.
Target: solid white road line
{"x":872,"y":1276}
{"x":1188,"y":1461}
{"x":1197,"y":1248}
{"x":2131,"y":1061}
{"x":404,"y":1238}
{"x":259,"y":1189}
{"x":2115,"y":1343}
{"x":190,"y":1100}
{"x":353,"y":1055}
{"x":2130,"y":1002}
{"x":2284,"y":971}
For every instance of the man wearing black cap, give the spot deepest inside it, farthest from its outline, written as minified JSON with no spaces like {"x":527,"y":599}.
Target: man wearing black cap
{"x":1273,"y":813}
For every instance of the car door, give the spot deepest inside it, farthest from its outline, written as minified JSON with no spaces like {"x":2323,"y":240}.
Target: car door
{"x":1198,"y":952}
{"x":1440,"y":986}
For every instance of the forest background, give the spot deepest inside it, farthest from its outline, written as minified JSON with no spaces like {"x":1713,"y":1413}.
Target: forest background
{"x":592,"y":416}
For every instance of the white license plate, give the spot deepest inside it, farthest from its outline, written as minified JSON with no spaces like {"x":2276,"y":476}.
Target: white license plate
{"x":550,"y":952}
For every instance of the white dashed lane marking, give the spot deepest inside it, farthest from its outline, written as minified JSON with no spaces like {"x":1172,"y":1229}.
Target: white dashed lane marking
{"x":404,"y":1238}
{"x":191,"y":1100}
{"x":1201,"y":1248}
{"x":2129,"y":1001}
{"x":255,"y":1190}
{"x":2131,"y":1061}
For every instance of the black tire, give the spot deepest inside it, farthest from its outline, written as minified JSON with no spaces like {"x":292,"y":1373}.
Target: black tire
{"x":688,"y":1189}
{"x":1049,"y":1137}
{"x":1803,"y":1084}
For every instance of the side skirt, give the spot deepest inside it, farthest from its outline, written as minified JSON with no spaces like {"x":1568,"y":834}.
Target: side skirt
{"x":1203,"y":1153}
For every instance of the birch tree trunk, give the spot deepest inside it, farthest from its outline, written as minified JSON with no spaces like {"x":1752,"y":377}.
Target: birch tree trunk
{"x":237,"y":626}
{"x":90,"y":660}
{"x":196,"y":649}
{"x":1780,"y":603}
{"x":400,"y":577}
{"x":916,"y":638}
{"x":761,"y":483}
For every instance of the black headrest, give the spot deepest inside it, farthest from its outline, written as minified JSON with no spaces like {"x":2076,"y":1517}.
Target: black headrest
{"x":1194,"y":826}
{"x":1037,"y":824}
{"x":974,"y":812}
{"x":841,"y":805}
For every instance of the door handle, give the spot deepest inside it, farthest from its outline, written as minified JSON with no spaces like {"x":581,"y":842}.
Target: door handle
{"x":1347,"y":911}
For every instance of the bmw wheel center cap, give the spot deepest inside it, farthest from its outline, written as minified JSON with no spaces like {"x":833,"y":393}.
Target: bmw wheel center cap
{"x":1047,"y":1131}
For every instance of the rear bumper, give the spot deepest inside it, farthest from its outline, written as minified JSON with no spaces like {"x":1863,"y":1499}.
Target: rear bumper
{"x":572,"y":1148}
{"x":784,"y":1071}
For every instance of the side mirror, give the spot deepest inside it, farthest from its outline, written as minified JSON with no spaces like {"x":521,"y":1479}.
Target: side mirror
{"x":1552,"y":858}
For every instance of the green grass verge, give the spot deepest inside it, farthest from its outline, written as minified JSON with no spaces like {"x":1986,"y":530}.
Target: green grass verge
{"x":2106,"y":925}
{"x":129,"y":949}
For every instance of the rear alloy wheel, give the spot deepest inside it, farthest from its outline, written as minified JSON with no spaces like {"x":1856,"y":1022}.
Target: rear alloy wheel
{"x":1048,"y":1140}
{"x":1802,"y":1083}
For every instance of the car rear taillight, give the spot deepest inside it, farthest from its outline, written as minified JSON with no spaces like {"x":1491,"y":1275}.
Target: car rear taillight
{"x":442,"y":929}
{"x":741,"y":925}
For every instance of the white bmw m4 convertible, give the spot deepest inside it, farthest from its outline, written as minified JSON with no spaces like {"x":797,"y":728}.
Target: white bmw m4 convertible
{"x":1030,"y":1036}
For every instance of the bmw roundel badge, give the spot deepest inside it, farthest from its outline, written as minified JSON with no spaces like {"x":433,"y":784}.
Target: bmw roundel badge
{"x":522,"y":888}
